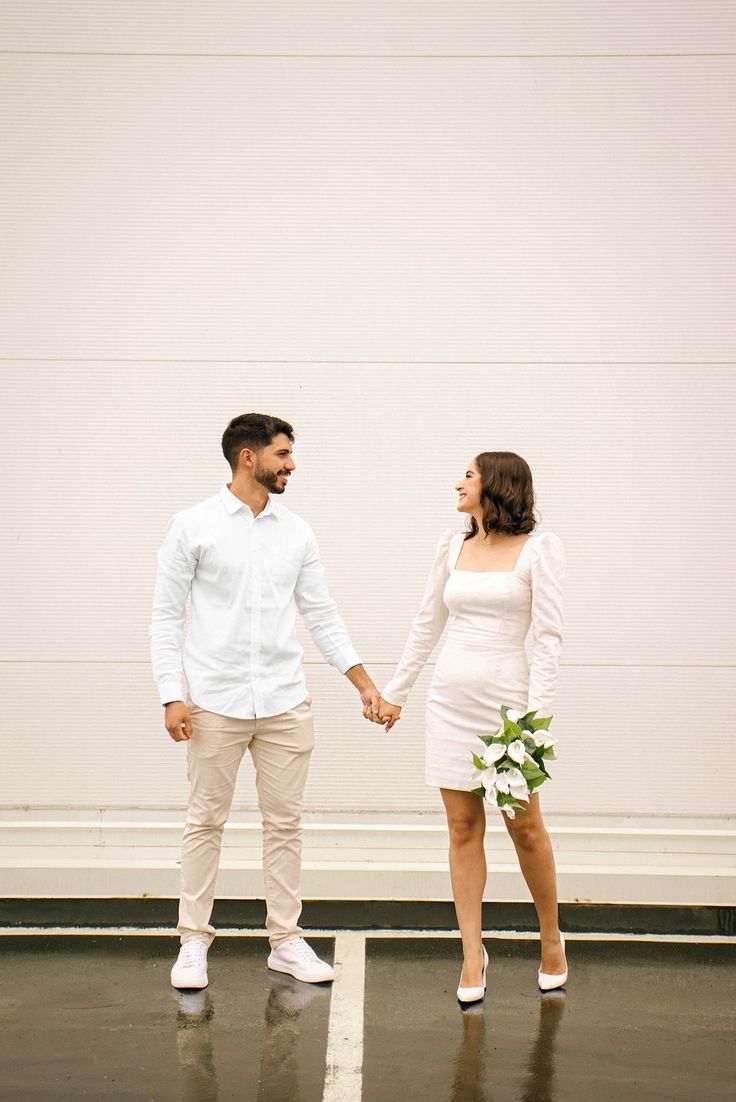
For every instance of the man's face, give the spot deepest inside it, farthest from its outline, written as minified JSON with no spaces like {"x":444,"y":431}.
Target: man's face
{"x":273,"y":464}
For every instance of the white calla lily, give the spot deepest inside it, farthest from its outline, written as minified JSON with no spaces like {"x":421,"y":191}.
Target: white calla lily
{"x":502,"y":780}
{"x":513,"y":715}
{"x":494,"y":752}
{"x":488,"y":778}
{"x":512,"y":781}
{"x":517,"y":750}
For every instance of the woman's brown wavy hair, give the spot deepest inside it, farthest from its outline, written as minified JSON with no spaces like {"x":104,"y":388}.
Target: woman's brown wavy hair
{"x":506,"y":494}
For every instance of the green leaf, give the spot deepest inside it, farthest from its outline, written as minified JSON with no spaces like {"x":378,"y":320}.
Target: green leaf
{"x":478,"y":791}
{"x":550,"y":753}
{"x":479,"y":763}
{"x":511,"y":802}
{"x":513,"y":731}
{"x":529,"y":769}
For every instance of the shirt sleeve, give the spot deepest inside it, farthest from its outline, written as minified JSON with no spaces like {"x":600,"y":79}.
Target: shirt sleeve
{"x":426,"y":628}
{"x":176,"y":566}
{"x":548,"y":568}
{"x":319,"y":611}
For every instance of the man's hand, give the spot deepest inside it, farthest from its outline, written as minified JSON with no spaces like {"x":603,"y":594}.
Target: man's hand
{"x":370,"y":697}
{"x":178,"y":721}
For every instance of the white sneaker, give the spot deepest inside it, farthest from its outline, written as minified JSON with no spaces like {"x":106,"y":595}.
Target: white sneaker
{"x":190,"y":969}
{"x":299,"y":959}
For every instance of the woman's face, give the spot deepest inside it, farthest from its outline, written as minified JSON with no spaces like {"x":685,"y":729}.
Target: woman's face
{"x":468,"y":489}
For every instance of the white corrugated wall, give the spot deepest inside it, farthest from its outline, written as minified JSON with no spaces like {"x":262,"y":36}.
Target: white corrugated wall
{"x":416,"y":231}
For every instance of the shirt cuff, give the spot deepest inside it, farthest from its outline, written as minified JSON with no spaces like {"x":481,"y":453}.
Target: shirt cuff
{"x":398,"y":699}
{"x":173,"y":689}
{"x":346,"y":659}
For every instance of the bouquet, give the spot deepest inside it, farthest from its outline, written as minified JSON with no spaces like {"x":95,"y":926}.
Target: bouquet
{"x":512,"y":765}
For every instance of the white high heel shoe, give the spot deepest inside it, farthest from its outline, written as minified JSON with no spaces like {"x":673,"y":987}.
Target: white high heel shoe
{"x":474,"y":994}
{"x":549,"y":980}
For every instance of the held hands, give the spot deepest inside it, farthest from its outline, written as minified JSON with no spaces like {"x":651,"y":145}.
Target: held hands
{"x":379,"y":710}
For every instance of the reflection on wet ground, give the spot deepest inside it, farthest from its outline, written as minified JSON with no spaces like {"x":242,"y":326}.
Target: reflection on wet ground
{"x":87,"y":1016}
{"x":96,"y":1017}
{"x":638,"y":1021}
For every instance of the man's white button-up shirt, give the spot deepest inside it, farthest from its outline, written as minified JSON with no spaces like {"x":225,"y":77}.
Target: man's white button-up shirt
{"x":246,"y":577}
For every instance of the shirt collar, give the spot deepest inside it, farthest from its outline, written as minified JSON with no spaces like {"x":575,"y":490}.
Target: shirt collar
{"x":232,"y":503}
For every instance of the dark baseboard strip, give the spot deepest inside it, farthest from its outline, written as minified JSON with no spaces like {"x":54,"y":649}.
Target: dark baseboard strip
{"x":624,"y":918}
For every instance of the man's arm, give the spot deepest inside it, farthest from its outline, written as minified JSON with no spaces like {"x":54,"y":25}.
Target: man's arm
{"x":369,"y":694}
{"x":176,"y":566}
{"x":326,"y":626}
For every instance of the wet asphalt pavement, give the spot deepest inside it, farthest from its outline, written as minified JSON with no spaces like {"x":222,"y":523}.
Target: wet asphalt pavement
{"x":95,"y":1017}
{"x":635,"y":1021}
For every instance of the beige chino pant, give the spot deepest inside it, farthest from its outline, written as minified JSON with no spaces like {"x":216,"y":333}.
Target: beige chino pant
{"x":281,"y":747}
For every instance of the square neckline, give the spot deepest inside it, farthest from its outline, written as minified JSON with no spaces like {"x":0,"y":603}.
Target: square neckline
{"x":456,"y":570}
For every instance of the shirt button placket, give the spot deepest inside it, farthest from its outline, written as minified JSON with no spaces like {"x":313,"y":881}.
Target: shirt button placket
{"x":255,"y":638}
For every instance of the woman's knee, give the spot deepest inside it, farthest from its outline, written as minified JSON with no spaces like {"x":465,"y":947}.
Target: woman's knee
{"x":527,"y":832}
{"x":466,"y":828}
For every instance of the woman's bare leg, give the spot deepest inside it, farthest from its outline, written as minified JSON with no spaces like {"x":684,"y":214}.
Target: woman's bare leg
{"x":466,"y":822}
{"x":537,"y":863}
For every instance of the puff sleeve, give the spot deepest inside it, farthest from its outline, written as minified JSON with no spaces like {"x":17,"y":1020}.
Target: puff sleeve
{"x":547,"y":575}
{"x":426,"y":628}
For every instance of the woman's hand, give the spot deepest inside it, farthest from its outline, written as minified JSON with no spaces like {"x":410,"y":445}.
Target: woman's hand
{"x":388,"y":713}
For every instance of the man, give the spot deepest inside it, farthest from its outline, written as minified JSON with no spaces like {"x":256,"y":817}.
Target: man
{"x":249,"y":564}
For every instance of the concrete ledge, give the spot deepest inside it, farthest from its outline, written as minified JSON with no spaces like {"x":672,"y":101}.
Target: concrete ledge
{"x":686,"y":885}
{"x":134,"y":853}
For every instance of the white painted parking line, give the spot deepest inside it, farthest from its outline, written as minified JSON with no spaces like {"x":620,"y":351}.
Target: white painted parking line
{"x":344,"y":1063}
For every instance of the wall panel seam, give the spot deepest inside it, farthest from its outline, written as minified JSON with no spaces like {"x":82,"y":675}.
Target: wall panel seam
{"x":357,"y":57}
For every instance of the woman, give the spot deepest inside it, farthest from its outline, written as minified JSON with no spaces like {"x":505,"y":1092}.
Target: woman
{"x":489,"y":584}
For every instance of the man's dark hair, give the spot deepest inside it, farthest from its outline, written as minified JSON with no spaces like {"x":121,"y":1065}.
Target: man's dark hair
{"x":251,"y":430}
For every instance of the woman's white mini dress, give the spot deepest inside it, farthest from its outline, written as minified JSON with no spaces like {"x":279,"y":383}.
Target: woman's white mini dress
{"x":483,"y":662}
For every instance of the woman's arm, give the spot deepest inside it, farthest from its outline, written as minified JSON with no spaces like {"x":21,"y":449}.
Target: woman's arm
{"x":548,"y":568}
{"x":425,"y":630}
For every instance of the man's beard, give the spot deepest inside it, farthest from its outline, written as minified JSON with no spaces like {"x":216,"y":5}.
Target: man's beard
{"x":269,"y":480}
